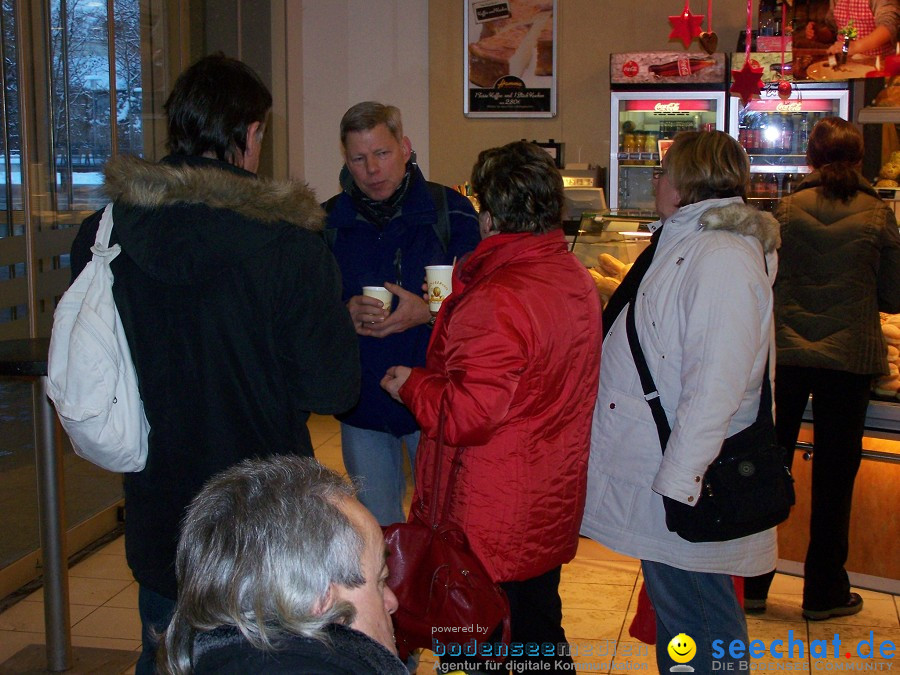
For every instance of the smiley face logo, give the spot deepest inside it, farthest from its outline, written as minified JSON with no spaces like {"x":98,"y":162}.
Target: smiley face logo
{"x":682,"y":648}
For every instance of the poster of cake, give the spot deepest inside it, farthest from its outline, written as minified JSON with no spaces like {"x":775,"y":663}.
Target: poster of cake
{"x":510,"y":58}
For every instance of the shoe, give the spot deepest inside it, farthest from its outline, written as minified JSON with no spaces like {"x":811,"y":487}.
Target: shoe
{"x":754,"y":605}
{"x":853,"y":605}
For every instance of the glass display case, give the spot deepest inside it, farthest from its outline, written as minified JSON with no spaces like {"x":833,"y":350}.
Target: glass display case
{"x":642,"y":122}
{"x":622,"y":237}
{"x":775,"y":133}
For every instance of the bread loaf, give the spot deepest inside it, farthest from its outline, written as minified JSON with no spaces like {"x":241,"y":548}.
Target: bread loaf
{"x":611,"y":266}
{"x":606,"y":285}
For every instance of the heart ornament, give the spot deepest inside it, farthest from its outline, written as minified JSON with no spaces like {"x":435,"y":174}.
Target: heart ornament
{"x":709,"y":41}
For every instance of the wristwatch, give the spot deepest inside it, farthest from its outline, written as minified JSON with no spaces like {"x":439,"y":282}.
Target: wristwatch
{"x":432,"y":320}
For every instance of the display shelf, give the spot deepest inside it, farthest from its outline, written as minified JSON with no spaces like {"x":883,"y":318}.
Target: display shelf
{"x":778,"y":168}
{"x":882,"y":422}
{"x":878,"y":115}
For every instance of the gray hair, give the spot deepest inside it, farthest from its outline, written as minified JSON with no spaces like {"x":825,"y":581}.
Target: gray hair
{"x":368,"y":115}
{"x":260,"y":547}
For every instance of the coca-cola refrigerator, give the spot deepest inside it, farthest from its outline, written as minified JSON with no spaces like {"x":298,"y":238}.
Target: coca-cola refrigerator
{"x":654,"y":96}
{"x":775,"y":133}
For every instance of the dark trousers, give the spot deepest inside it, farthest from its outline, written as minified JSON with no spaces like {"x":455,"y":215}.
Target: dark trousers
{"x":839,"y":401}
{"x":156,"y":612}
{"x":535,"y":612}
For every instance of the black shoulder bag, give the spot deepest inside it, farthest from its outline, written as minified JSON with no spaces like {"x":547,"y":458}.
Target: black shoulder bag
{"x":747,"y":489}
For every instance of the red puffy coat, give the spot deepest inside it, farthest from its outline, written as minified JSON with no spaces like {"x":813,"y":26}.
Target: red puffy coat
{"x":514,"y":359}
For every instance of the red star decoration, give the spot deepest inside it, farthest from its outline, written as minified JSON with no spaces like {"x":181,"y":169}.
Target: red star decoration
{"x":685,"y":26}
{"x":747,"y":81}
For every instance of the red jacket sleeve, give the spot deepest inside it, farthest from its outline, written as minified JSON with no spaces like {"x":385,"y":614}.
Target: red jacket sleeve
{"x":474,"y":369}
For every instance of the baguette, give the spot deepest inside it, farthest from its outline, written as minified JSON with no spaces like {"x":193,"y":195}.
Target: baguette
{"x":611,"y":266}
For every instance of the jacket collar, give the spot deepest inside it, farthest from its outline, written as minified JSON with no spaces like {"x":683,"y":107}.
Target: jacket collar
{"x":814,"y":180}
{"x":500,"y":249}
{"x":199,"y":180}
{"x":338,"y":645}
{"x":729,"y":215}
{"x":417,"y":200}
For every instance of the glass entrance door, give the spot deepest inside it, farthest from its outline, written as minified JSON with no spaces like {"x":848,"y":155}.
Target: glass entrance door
{"x":72,"y":96}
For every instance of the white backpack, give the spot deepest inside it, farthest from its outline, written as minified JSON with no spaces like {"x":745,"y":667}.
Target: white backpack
{"x":90,"y":373}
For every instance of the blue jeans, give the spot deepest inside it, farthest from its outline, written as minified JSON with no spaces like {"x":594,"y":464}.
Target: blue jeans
{"x":155,"y":611}
{"x":702,"y":605}
{"x":374,"y":460}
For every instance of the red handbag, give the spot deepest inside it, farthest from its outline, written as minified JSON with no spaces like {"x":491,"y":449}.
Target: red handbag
{"x":643,"y":626}
{"x":444,"y":592}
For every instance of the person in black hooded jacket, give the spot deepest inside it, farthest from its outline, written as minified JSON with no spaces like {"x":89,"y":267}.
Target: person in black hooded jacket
{"x":231,"y":304}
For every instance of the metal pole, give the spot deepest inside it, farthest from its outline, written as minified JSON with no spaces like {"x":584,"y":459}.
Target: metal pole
{"x":48,"y":456}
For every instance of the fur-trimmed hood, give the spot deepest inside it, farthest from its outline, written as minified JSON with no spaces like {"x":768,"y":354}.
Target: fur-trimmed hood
{"x":187,"y":218}
{"x":193,"y":180}
{"x":745,"y":220}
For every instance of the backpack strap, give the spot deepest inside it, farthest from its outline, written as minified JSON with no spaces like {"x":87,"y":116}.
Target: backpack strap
{"x":442,"y":224}
{"x":330,"y":233}
{"x":101,"y":243}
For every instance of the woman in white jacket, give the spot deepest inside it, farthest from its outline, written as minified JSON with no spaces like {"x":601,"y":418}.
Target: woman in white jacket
{"x":704,"y":320}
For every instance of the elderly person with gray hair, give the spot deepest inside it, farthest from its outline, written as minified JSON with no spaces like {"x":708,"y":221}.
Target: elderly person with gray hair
{"x":281,"y":570}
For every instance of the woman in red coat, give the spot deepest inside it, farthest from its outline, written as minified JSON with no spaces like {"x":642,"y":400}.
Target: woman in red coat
{"x":512,"y":370}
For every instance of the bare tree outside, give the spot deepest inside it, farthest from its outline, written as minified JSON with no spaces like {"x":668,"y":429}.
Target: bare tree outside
{"x":82,"y":79}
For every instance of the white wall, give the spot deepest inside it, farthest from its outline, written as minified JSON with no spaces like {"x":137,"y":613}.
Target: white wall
{"x":358,"y":50}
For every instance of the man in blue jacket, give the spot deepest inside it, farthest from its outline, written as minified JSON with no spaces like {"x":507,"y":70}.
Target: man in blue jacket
{"x":386,"y":225}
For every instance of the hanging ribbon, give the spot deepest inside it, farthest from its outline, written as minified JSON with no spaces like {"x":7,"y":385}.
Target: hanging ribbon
{"x":708,"y":39}
{"x":784,"y":87}
{"x":748,"y":80}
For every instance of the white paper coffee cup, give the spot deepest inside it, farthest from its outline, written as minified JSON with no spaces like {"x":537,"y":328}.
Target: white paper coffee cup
{"x":381,"y":293}
{"x":439,"y":279}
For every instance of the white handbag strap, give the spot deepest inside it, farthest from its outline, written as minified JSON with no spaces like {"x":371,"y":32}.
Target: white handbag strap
{"x":101,"y":243}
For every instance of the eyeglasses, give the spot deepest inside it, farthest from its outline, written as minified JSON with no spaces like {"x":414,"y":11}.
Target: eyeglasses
{"x":658,"y":172}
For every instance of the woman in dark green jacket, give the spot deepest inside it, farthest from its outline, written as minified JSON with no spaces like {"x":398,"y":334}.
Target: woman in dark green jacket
{"x":839,"y":265}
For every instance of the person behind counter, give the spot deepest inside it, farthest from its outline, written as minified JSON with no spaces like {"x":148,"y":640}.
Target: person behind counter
{"x":877,"y":23}
{"x":511,"y":376}
{"x":703,"y":315}
{"x":839,"y":264}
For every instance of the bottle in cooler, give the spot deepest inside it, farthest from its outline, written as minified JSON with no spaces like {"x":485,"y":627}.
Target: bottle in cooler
{"x":772,"y":133}
{"x":753,"y":135}
{"x":756,"y":185}
{"x":773,"y":186}
{"x":787,"y":186}
{"x":744,"y":132}
{"x":787,"y":133}
{"x":803,"y":136}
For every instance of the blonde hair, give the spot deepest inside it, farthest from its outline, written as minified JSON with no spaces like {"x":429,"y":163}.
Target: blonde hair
{"x":706,"y":165}
{"x":368,"y":115}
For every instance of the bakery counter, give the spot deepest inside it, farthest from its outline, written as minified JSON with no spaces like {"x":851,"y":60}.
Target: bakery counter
{"x":608,"y":244}
{"x":874,"y":560}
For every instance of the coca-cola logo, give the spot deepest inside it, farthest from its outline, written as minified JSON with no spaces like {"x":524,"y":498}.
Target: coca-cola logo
{"x":789,"y":107}
{"x":667,"y":107}
{"x":630,"y":69}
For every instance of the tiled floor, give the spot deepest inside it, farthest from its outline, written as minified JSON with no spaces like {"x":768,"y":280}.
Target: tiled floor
{"x":599,"y":592}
